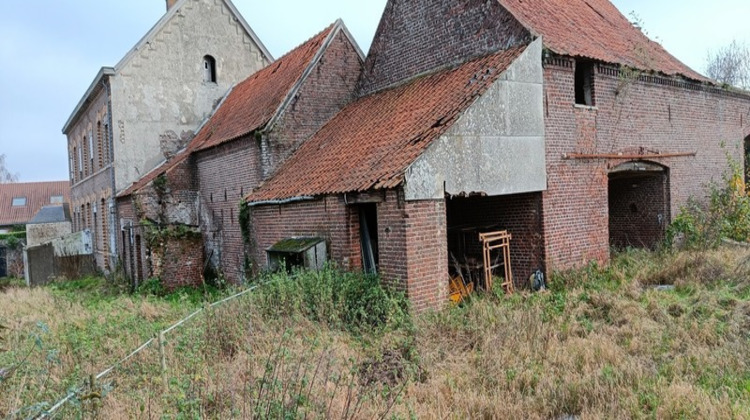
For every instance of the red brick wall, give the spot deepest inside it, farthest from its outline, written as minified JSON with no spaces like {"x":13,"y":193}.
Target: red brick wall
{"x":521,"y":215}
{"x":226,"y":174}
{"x":179,"y":262}
{"x":326,"y":90}
{"x":416,"y":36}
{"x":426,"y":254}
{"x":638,"y":210}
{"x":645,"y":115}
{"x":328,"y":218}
{"x":411,"y":240}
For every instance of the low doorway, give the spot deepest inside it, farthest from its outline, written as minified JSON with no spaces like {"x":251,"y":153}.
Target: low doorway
{"x":639,"y":205}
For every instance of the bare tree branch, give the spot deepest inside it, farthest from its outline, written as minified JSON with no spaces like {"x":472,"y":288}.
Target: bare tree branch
{"x":730,"y":65}
{"x":5,"y":175}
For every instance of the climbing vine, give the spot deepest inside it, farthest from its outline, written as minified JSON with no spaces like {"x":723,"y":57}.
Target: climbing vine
{"x":245,"y":220}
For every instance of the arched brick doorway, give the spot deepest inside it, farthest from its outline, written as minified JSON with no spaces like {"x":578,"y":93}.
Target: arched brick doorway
{"x":639,"y":205}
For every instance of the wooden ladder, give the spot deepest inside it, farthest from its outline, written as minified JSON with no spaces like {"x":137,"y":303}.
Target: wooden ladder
{"x":492,"y":241}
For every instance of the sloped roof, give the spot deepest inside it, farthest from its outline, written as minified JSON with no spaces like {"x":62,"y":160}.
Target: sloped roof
{"x":250,"y":105}
{"x":254,"y":101}
{"x":37,"y":194}
{"x":372,"y":141}
{"x":595,"y":29}
{"x":52,"y":214}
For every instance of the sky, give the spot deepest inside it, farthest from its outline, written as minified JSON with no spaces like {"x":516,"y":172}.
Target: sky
{"x":53,"y":49}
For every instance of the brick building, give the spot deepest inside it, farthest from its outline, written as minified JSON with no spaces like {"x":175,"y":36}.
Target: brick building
{"x":141,"y":111}
{"x":556,"y":120}
{"x":259,"y":123}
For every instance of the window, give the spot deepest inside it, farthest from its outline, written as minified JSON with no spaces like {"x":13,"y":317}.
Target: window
{"x":19,"y":201}
{"x":584,"y":83}
{"x":80,"y":164}
{"x":56,"y":199}
{"x":106,"y":144}
{"x":91,"y":152}
{"x":209,"y":69}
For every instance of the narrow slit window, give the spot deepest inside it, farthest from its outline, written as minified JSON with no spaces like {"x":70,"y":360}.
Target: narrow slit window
{"x":209,"y":69}
{"x":584,"y":83}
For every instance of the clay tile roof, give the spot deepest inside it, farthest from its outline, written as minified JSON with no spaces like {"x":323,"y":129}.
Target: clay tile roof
{"x":595,"y":29}
{"x":37,"y":194}
{"x":372,"y":141}
{"x":249,"y":106}
{"x":254,"y":101}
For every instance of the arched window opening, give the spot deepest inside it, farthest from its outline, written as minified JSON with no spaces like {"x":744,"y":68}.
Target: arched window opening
{"x":209,"y":69}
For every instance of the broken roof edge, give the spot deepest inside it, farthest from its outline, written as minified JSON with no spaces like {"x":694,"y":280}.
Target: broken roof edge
{"x":93,"y":88}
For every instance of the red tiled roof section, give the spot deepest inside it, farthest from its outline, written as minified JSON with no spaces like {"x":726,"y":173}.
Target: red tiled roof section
{"x":372,"y":141}
{"x":248,"y":107}
{"x":37,"y":194}
{"x":595,"y":29}
{"x":253,"y":102}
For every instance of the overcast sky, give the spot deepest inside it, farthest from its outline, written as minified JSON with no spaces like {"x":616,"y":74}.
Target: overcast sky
{"x":52,"y":49}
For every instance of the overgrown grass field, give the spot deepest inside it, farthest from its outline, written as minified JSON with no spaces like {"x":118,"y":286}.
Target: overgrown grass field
{"x":601,"y":343}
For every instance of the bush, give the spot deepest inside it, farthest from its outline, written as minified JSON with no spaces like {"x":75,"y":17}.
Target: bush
{"x":353,"y":301}
{"x":725,"y":216}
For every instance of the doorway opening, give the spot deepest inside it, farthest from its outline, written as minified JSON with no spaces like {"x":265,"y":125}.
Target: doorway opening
{"x":468,"y":217}
{"x":639,"y":205}
{"x":368,"y":233}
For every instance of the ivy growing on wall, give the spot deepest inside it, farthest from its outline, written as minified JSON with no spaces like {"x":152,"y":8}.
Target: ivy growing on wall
{"x":245,"y":220}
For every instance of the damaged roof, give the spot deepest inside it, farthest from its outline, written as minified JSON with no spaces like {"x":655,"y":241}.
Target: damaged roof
{"x":250,"y":105}
{"x":372,"y":141}
{"x":595,"y":29}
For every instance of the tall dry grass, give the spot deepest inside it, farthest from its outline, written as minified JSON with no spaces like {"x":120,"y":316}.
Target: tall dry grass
{"x":602,"y":343}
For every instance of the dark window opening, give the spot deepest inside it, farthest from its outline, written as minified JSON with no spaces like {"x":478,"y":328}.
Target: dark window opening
{"x":300,"y":252}
{"x":209,"y":69}
{"x":368,"y":229}
{"x":584,"y":83}
{"x":747,"y":161}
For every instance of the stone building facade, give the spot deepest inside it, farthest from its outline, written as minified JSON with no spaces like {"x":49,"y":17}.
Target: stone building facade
{"x":142,"y":111}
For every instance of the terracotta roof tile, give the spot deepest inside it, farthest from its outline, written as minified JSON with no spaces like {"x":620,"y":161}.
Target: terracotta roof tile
{"x":372,"y":141}
{"x":254,"y":101}
{"x":247,"y":107}
{"x":595,"y":29}
{"x":38,"y":195}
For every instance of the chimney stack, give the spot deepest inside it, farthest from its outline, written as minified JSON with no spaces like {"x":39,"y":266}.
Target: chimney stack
{"x":170,"y":3}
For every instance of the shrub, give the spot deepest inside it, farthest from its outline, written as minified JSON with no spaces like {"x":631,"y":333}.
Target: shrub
{"x":353,"y":301}
{"x":725,"y":216}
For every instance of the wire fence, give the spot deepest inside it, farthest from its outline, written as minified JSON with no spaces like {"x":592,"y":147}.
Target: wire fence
{"x":80,"y":393}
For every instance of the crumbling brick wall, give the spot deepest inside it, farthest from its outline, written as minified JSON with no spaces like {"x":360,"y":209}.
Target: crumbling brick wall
{"x":420,"y":35}
{"x":630,"y":116}
{"x":178,"y":262}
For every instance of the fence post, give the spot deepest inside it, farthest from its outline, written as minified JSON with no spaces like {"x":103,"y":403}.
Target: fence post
{"x":163,"y":359}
